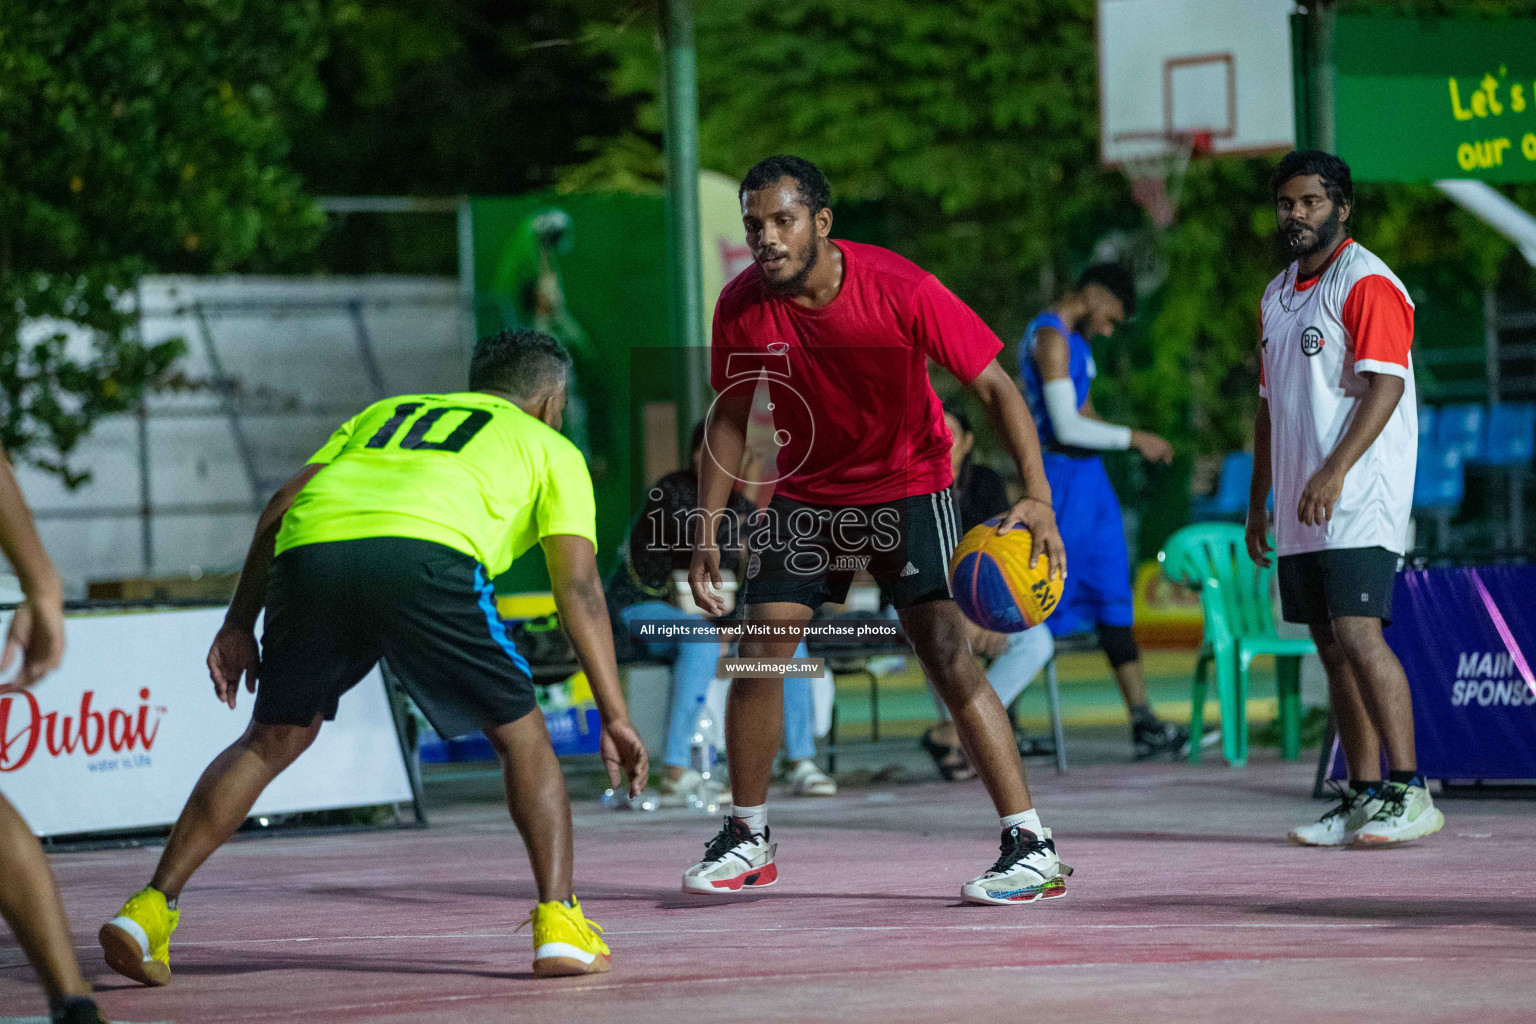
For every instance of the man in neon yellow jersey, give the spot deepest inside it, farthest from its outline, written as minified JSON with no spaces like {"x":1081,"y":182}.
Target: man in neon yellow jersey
{"x":385,"y":545}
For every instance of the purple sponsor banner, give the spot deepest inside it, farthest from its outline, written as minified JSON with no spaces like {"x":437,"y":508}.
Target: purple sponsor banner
{"x":1467,"y":639}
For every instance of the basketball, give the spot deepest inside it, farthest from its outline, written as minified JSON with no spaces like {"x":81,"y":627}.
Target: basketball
{"x":994,"y":584}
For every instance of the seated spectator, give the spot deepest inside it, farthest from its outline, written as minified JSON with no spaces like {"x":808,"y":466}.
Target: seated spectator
{"x":642,"y":587}
{"x":1016,"y":658}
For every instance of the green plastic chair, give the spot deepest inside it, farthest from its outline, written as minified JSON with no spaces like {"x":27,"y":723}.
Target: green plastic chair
{"x":1239,"y":626}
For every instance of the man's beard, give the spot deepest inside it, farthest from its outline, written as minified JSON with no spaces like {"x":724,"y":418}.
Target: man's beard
{"x":1327,"y":233}
{"x":791,"y":285}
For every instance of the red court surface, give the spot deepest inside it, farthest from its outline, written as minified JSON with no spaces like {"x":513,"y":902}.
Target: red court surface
{"x":1187,"y":905}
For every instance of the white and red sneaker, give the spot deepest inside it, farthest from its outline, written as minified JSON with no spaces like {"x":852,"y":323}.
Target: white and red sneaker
{"x":737,"y":858}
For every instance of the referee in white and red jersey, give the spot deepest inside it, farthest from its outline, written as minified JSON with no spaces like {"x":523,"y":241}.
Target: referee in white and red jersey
{"x":1337,"y":436}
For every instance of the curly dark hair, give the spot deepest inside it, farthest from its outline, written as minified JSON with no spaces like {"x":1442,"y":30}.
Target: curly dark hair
{"x":814,"y":190}
{"x":1115,"y":278}
{"x":520,"y":363}
{"x":1333,"y":172}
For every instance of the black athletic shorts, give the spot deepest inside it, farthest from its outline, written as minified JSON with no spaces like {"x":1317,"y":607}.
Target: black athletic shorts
{"x":335,"y":609}
{"x":807,"y":554}
{"x":1318,"y":586}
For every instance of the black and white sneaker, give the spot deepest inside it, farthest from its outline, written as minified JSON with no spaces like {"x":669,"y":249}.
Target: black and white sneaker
{"x":1154,"y":737}
{"x":77,"y":1010}
{"x":1028,"y":870}
{"x":735,"y":859}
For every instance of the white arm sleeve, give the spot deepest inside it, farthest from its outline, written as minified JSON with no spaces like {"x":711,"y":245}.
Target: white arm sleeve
{"x":1073,"y":428}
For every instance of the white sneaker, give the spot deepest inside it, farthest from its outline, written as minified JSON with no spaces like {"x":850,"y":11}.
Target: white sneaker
{"x":736,"y":858}
{"x":1406,"y":813}
{"x":805,"y":779}
{"x":1028,"y":870}
{"x":1338,"y":826}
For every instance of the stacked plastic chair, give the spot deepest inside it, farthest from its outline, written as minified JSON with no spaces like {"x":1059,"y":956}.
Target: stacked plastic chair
{"x":1440,"y":484}
{"x":1509,"y":445}
{"x":1239,"y":626}
{"x":1499,"y":437}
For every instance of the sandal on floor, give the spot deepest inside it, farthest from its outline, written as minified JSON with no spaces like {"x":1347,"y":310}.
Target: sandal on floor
{"x":805,"y":779}
{"x":949,"y":759}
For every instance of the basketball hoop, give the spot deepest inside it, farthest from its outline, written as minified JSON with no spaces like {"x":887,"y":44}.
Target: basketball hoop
{"x":1157,"y":178}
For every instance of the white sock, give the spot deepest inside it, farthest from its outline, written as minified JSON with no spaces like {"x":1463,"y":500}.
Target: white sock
{"x":756,"y":818}
{"x":1024,"y":819}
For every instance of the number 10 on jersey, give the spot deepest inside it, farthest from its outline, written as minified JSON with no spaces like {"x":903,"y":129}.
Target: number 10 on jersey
{"x":415,"y":438}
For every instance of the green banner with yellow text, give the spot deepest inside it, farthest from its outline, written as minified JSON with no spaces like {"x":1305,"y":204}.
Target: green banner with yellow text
{"x":1421,"y":99}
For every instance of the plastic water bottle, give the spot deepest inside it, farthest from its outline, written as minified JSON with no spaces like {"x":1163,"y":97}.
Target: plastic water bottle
{"x":557,"y":696}
{"x":702,"y":757}
{"x":620,"y":800}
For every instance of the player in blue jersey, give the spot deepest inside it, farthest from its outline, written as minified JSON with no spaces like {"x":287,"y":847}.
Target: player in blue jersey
{"x":1057,"y":368}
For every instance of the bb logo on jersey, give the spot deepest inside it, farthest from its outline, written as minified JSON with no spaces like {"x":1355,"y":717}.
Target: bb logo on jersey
{"x":1311,"y":341}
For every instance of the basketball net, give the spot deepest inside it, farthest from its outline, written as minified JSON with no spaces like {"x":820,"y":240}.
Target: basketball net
{"x":1157,"y":179}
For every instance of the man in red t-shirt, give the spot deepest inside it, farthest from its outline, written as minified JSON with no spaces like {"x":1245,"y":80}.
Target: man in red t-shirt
{"x":842,"y":334}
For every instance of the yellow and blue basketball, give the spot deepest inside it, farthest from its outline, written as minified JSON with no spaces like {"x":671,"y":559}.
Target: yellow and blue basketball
{"x":994,"y":584}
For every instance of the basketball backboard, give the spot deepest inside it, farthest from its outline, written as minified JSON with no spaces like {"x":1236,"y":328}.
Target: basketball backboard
{"x":1170,"y":68}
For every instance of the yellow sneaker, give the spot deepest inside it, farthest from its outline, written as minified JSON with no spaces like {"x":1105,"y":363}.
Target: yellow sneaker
{"x":137,"y":942}
{"x":565,"y":942}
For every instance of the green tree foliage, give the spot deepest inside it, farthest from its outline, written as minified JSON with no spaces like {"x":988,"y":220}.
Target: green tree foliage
{"x":971,"y":128}
{"x":971,"y":124}
{"x":447,"y":98}
{"x":134,"y":137}
{"x":454,"y":96}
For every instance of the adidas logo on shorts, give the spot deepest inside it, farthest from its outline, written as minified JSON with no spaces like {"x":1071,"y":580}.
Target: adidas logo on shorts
{"x":910,"y":570}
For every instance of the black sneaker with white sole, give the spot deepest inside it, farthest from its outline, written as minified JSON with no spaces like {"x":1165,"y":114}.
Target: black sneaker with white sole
{"x":1154,"y":737}
{"x":76,"y":1010}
